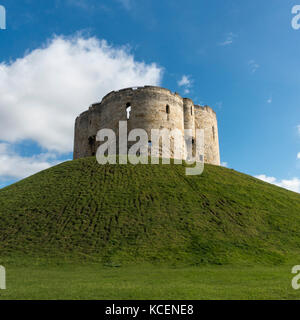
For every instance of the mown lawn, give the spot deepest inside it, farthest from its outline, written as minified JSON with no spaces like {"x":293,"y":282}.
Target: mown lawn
{"x":93,"y":281}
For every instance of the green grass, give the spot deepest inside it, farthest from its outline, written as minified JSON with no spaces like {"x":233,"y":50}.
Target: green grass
{"x":94,"y":281}
{"x":149,"y":213}
{"x":222,"y":234}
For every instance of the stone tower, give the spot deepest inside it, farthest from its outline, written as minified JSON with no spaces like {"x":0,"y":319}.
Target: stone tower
{"x":149,"y":108}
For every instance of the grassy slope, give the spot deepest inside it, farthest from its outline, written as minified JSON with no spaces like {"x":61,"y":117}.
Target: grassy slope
{"x":149,"y":213}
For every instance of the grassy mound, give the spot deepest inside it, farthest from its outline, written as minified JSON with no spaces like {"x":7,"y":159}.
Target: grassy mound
{"x":149,"y":213}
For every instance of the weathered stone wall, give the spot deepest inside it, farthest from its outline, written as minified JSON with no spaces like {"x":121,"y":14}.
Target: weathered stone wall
{"x":81,"y":147}
{"x":205,"y":118}
{"x":86,"y":128}
{"x":189,"y":115}
{"x":151,"y":108}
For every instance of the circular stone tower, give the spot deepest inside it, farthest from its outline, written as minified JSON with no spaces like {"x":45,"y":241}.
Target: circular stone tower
{"x":145,"y":108}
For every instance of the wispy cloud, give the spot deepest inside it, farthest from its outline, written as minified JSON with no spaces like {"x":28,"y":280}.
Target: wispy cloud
{"x":229,"y":39}
{"x":224,"y":164}
{"x":290,"y":184}
{"x":186,"y":83}
{"x":298,"y":155}
{"x":270,"y":100}
{"x":253,"y":66}
{"x":14,"y":166}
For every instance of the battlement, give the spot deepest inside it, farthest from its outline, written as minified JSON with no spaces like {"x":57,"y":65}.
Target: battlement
{"x":204,"y":108}
{"x":134,"y":90}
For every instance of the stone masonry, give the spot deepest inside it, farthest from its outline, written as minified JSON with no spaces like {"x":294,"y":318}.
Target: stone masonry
{"x":150,"y":108}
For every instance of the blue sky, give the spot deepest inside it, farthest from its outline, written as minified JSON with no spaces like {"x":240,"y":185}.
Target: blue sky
{"x":240,"y":57}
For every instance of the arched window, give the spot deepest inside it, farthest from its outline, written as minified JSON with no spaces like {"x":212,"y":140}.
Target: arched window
{"x":191,"y":111}
{"x":167,"y":109}
{"x":128,"y":110}
{"x":214,"y":133}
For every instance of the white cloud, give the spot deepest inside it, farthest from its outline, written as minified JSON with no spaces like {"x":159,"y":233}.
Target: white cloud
{"x":185,"y":81}
{"x":229,"y":39}
{"x":298,"y":129}
{"x":224,"y":164}
{"x":263,"y":177}
{"x":42,"y":93}
{"x":270,"y":100}
{"x":13,"y":166}
{"x":253,"y":66}
{"x":298,"y":155}
{"x":292,"y":184}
